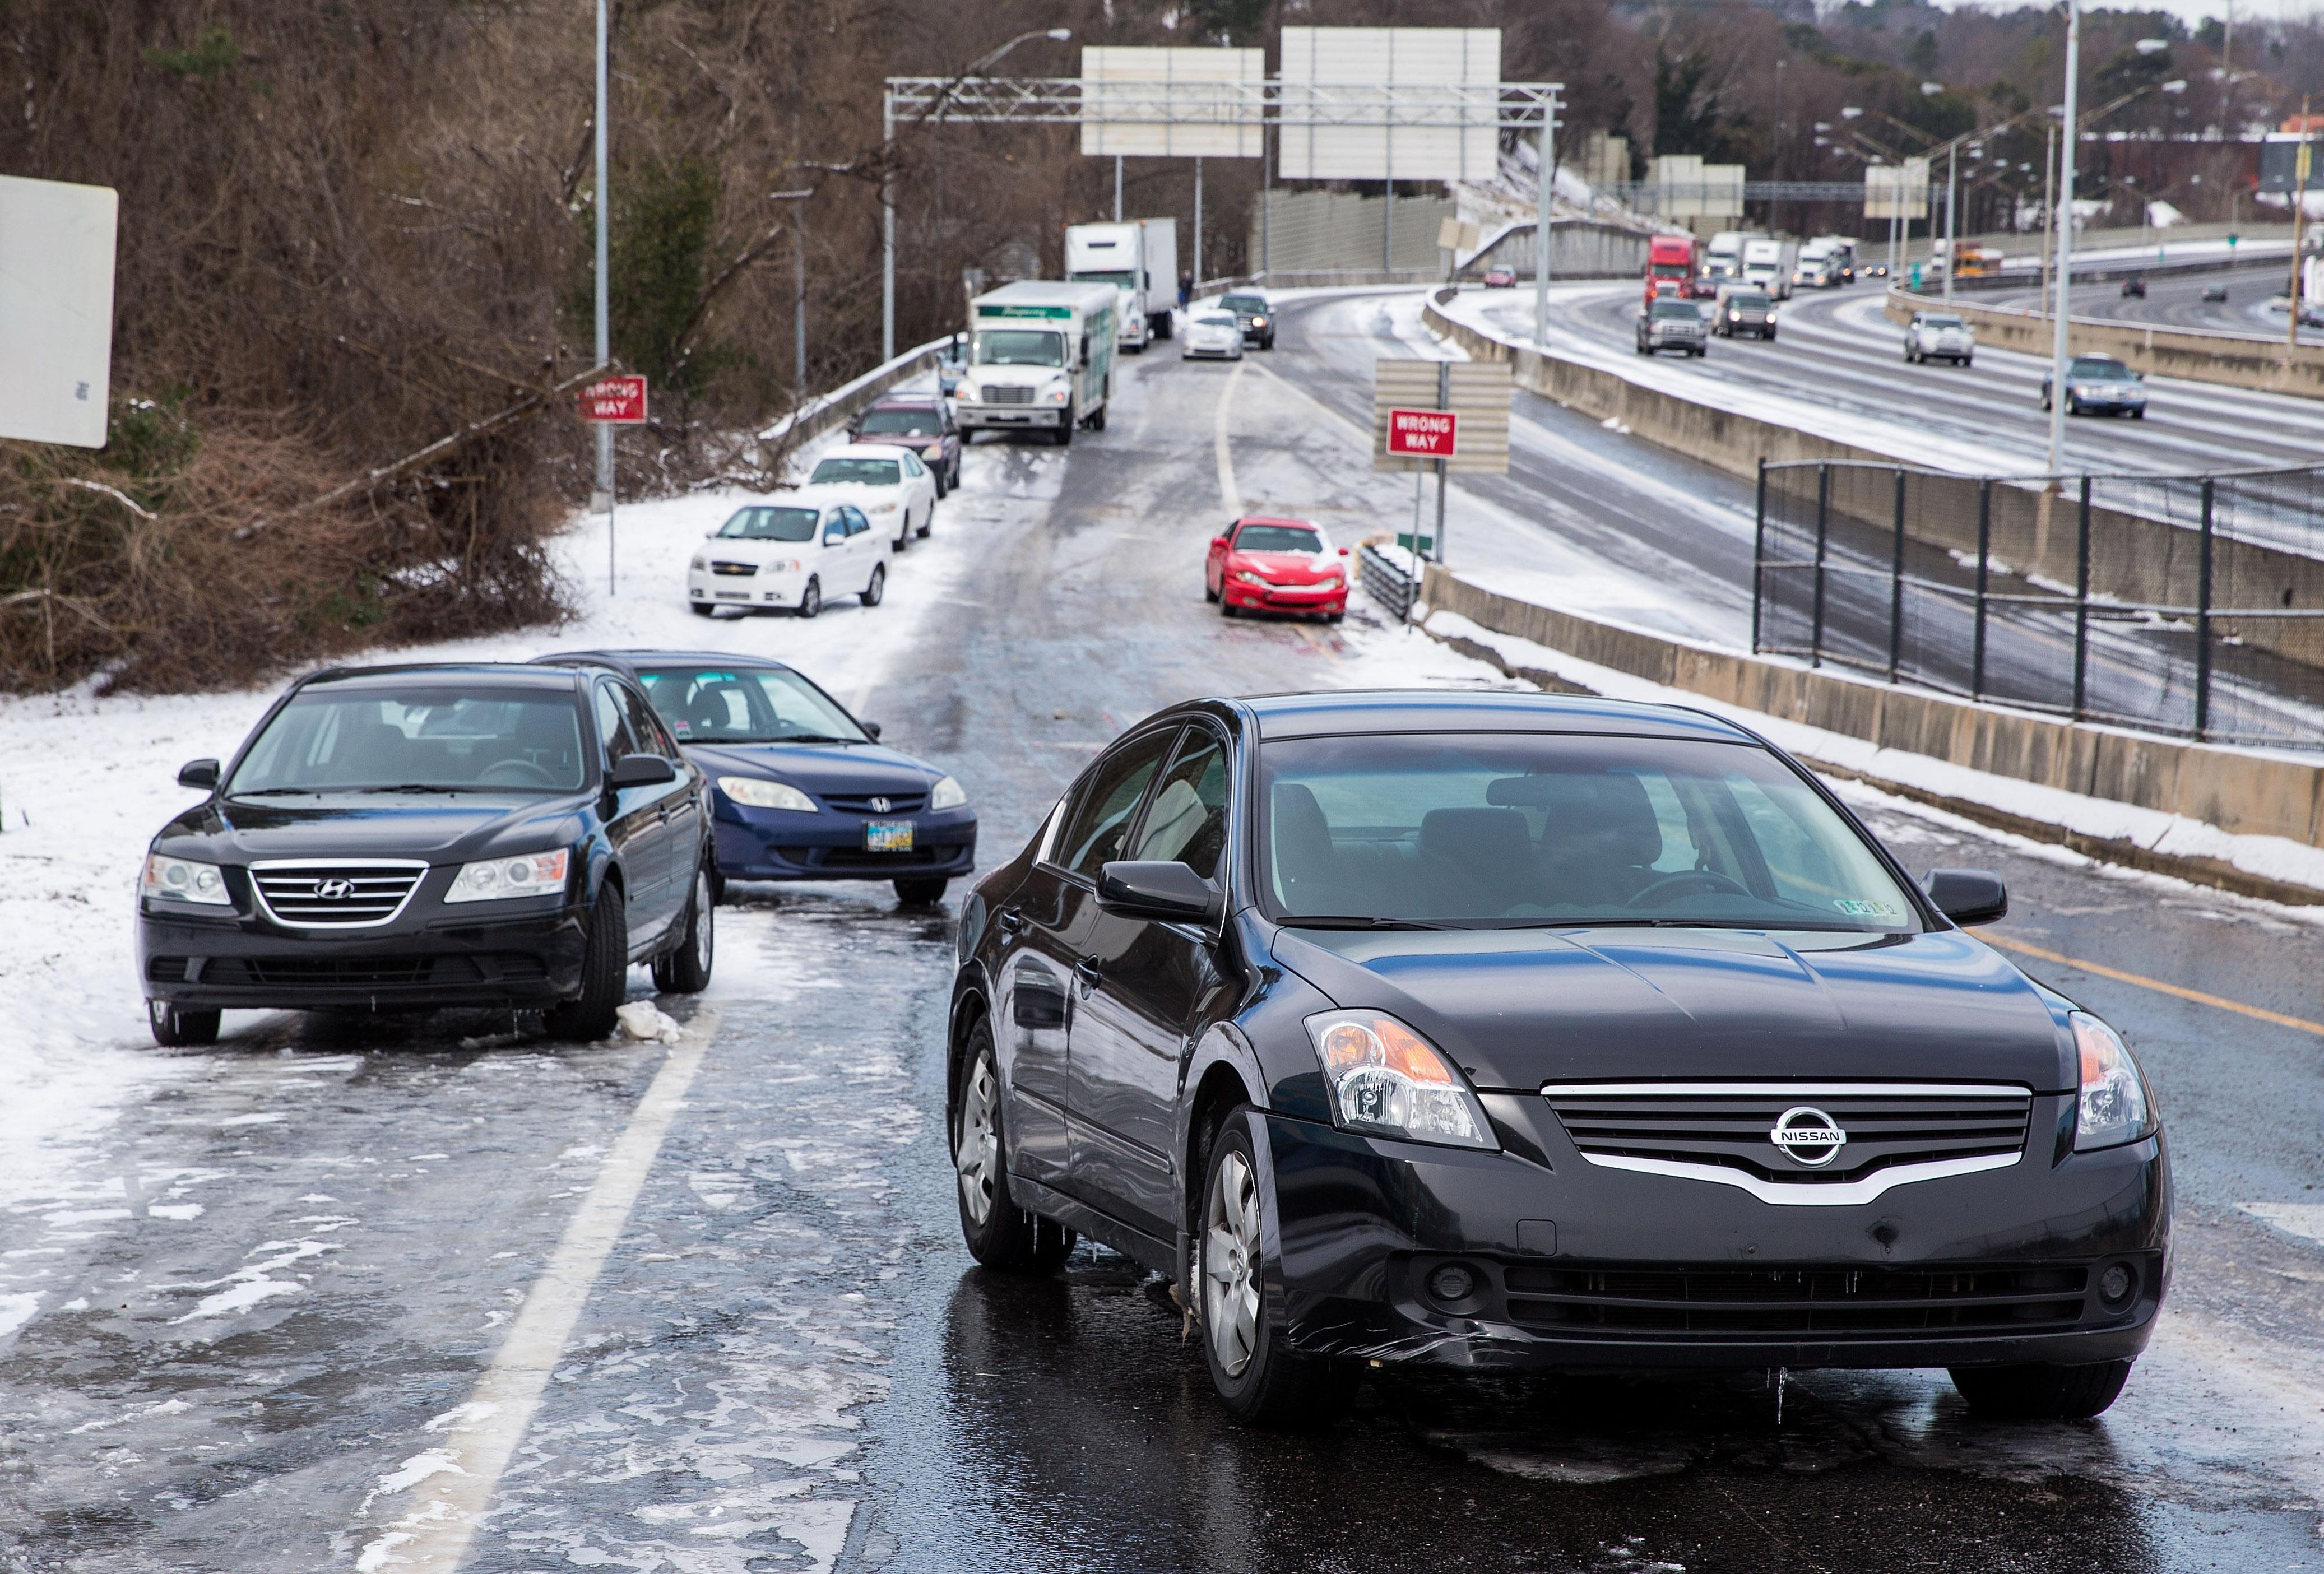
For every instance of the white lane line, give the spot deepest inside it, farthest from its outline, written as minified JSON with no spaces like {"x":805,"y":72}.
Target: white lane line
{"x":460,"y":1475}
{"x":1229,"y":496}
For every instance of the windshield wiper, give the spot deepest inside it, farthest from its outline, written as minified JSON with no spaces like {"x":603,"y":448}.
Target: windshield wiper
{"x":281,"y":793}
{"x":1349,"y":921}
{"x":414,"y":787}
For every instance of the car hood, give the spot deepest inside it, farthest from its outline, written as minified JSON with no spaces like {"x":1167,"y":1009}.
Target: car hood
{"x":1518,"y":1008}
{"x":440,"y":829}
{"x":819,"y":768}
{"x":1289,"y":567}
{"x":902,"y":441}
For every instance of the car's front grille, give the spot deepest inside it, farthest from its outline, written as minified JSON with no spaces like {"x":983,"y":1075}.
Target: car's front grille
{"x":888,"y":803}
{"x":343,"y":894}
{"x":337,"y":972}
{"x":859,"y":858}
{"x":1716,"y":1130}
{"x":1796,"y":1301}
{"x":1008,"y":396}
{"x":735,"y":570}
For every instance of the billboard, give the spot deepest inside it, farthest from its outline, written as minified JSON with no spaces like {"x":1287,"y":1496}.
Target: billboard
{"x":1897,"y":191}
{"x":2279,"y":162}
{"x":1172,"y":103}
{"x":56,"y":310}
{"x":1342,"y":120}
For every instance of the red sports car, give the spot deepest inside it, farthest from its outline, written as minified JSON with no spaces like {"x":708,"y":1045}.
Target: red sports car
{"x":1501,"y":278}
{"x":1264,"y":564}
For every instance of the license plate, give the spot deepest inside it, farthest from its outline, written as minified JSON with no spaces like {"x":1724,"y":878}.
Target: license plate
{"x":888,"y":836}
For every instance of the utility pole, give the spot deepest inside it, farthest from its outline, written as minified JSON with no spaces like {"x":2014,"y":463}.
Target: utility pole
{"x":1952,"y":230}
{"x":797,"y":199}
{"x":1117,"y":187}
{"x":1196,"y":270}
{"x":2299,"y":229}
{"x":602,"y":203}
{"x":1545,"y":178}
{"x":2059,"y":348}
{"x":2049,"y":210}
{"x":886,"y":225}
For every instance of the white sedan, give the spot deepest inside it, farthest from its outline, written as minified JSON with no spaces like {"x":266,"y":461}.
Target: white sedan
{"x":788,"y":555}
{"x":1214,"y":334}
{"x":889,"y":484}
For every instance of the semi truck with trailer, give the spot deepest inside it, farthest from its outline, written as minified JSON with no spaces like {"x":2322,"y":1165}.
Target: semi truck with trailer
{"x":1722,"y":260}
{"x":1674,"y":266}
{"x":1040,"y":358}
{"x":1769,"y":262}
{"x":1139,"y":258}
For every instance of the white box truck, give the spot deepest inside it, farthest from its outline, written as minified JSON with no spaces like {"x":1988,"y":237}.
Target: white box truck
{"x":1139,"y":258}
{"x":1769,"y":263}
{"x":1040,"y":357}
{"x":1722,"y":259}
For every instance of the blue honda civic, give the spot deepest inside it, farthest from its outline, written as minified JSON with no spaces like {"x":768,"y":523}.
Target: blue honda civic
{"x":801,"y":789}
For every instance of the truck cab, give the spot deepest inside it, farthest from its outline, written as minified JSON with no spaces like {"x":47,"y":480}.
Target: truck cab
{"x":1673,"y":261}
{"x":1040,"y":358}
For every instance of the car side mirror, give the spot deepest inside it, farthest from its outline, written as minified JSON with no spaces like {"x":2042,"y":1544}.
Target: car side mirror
{"x":640,"y":770}
{"x":873,"y":728}
{"x":1343,"y":551}
{"x":1150,"y":888}
{"x":829,"y":537}
{"x":1219,"y":542}
{"x":1967,"y":896}
{"x":202,"y":774}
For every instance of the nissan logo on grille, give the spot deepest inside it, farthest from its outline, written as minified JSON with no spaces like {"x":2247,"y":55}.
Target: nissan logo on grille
{"x":334,"y":890}
{"x":1808,"y":1136}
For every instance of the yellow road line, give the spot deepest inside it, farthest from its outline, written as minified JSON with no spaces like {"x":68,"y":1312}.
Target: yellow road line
{"x":2143,"y":982}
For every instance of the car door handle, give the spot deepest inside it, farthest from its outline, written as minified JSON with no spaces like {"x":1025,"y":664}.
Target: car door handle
{"x":1086,"y":970}
{"x":1012,"y":919}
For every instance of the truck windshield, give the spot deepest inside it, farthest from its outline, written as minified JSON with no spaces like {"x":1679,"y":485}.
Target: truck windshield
{"x":1121,"y":279}
{"x":1019,"y":347}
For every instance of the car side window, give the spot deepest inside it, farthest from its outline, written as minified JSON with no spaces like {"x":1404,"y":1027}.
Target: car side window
{"x":856,"y":523}
{"x":613,"y":725}
{"x":912,"y":466}
{"x":834,"y":525}
{"x":1187,"y":821}
{"x":1108,"y":801}
{"x":646,"y":727}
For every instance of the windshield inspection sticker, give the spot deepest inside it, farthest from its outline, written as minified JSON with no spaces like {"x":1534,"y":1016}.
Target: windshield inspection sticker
{"x":1855,"y":907}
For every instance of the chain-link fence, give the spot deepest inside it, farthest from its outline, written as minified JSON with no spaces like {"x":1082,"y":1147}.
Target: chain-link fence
{"x":2186,"y":605}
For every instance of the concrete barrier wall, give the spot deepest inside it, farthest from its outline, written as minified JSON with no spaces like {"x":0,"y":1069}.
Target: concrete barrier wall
{"x":2238,"y":792}
{"x":2235,"y":360}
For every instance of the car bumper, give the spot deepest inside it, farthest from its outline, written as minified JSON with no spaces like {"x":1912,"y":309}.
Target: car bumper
{"x":776,"y":844}
{"x":995,"y":416}
{"x":760,"y":590}
{"x":1285,"y":598}
{"x":1579,"y":1266}
{"x":521,"y":959}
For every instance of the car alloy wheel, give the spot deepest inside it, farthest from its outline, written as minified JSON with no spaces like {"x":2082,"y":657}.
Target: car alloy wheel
{"x":878,"y":587}
{"x":175,"y":1028}
{"x":998,"y":1233}
{"x":811,"y":599}
{"x":686,"y":970}
{"x":604,"y":974}
{"x":976,"y":1150}
{"x":1230,"y":1238}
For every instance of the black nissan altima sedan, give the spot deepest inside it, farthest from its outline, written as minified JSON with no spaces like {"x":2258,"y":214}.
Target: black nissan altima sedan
{"x":1499,"y":1031}
{"x":405,"y":838}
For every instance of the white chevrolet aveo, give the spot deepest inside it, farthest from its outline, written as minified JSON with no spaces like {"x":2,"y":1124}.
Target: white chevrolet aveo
{"x":789,"y":554}
{"x":889,"y":484}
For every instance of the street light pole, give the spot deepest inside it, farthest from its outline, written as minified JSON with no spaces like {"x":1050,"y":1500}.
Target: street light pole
{"x":2059,"y":339}
{"x":1542,"y":233}
{"x":1952,"y":230}
{"x":603,"y":202}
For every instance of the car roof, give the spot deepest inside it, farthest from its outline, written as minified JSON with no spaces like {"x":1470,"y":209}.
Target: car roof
{"x":859,"y":451}
{"x":630,"y":660}
{"x":1361,"y":711}
{"x":906,"y":401}
{"x":502,"y":673}
{"x":814,"y":495}
{"x":1277,"y":520}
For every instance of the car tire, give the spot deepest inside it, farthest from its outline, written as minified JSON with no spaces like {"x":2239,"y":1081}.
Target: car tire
{"x":1908,"y":355}
{"x":1064,"y":435}
{"x":1227,"y":609}
{"x":176,"y":1027}
{"x":1771,"y":336}
{"x":1097,"y":421}
{"x":686,"y":970}
{"x":811,"y":599}
{"x":928,"y":521}
{"x":924,"y":891}
{"x":936,"y":475}
{"x":700,"y":608}
{"x":903,"y":540}
{"x":2139,"y":414}
{"x":1260,"y":1382}
{"x":876,"y":587}
{"x":998,"y":1234}
{"x":2045,"y":402}
{"x":588,"y":1015}
{"x":1209,"y":594}
{"x":955,"y":473}
{"x":718,"y":888}
{"x":2034,"y":1392}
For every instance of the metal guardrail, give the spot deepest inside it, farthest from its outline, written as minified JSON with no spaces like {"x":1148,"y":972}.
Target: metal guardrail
{"x":1387,"y":580}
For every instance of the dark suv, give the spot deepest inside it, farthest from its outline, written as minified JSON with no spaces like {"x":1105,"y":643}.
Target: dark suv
{"x":922,"y":422}
{"x":399,"y":838}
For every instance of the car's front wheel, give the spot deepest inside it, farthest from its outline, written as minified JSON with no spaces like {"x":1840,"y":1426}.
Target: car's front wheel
{"x":876,"y":587}
{"x":604,"y":974}
{"x":687,"y":970}
{"x":924,"y":892}
{"x":1260,"y":1382}
{"x":2042,"y":1393}
{"x":700,"y":608}
{"x":175,"y":1028}
{"x":928,"y":521}
{"x":811,"y":599}
{"x":1000,"y":1234}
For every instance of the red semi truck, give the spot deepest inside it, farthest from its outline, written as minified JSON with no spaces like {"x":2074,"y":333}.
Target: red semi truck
{"x":1674,"y":265}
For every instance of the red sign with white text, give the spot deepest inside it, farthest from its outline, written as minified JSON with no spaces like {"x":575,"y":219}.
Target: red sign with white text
{"x":1423,"y":434}
{"x":620,"y":400}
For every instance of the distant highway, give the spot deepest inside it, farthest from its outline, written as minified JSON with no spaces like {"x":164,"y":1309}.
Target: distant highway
{"x":2176,"y":300}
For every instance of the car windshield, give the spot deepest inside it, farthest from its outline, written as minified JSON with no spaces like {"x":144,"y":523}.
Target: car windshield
{"x":1278,"y":538}
{"x":730,"y":705}
{"x":864,"y":471}
{"x":1219,"y":320}
{"x":909,"y":423}
{"x":2100,"y":371}
{"x":1121,"y":279}
{"x":1495,"y":831}
{"x":1680,"y":311}
{"x":1019,"y":348}
{"x":1942,"y":322}
{"x":1243,"y":302}
{"x":771,"y":524}
{"x":1754,"y":301}
{"x":424,"y":739}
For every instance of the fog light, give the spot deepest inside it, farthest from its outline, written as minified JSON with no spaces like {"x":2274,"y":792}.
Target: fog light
{"x":2116,"y":1284}
{"x":1452,"y":1284}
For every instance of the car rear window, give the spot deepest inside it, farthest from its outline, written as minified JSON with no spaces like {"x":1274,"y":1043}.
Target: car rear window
{"x":416,"y":739}
{"x":864,"y":471}
{"x":770,"y":524}
{"x":909,"y":423}
{"x":1495,"y":831}
{"x":1278,"y":538}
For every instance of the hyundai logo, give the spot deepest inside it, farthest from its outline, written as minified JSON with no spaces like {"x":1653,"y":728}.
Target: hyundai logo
{"x":334,"y":890}
{"x":879,"y":805}
{"x":1808,"y":1136}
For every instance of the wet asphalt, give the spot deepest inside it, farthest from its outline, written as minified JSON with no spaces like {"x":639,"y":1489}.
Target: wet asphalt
{"x":291,"y":1266}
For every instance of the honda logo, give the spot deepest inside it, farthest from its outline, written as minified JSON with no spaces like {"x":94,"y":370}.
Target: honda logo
{"x":334,"y":890}
{"x":879,"y":805}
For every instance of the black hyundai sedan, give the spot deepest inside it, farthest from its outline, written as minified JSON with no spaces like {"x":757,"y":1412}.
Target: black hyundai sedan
{"x":801,"y":790}
{"x":400,"y":838}
{"x":1497,"y":1031}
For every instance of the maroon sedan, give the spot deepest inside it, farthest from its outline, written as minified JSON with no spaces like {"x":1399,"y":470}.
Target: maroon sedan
{"x":922,"y":422}
{"x":1266,"y":564}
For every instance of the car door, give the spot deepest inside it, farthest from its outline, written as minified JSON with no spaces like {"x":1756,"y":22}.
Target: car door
{"x":919,"y":490}
{"x":835,"y":566}
{"x":683,"y":821}
{"x":865,"y":548}
{"x":633,"y":820}
{"x":1134,"y":1025}
{"x":1057,"y":912}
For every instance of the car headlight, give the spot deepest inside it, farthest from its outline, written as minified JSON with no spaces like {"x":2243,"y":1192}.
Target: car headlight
{"x":181,"y":879}
{"x":759,"y":793}
{"x":881,"y":508}
{"x":1059,"y":396}
{"x":702,"y":566}
{"x":530,"y":874}
{"x":947,"y":794}
{"x":1248,"y":577}
{"x":2112,"y":1108}
{"x":1734,"y":316}
{"x":1258,"y":322}
{"x":785,"y":566}
{"x":1384,"y":1078}
{"x":1329,"y":582}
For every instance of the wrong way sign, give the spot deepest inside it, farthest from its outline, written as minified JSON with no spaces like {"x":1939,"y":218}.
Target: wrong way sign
{"x":1423,"y":434}
{"x":1452,"y":412}
{"x":615,"y":401}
